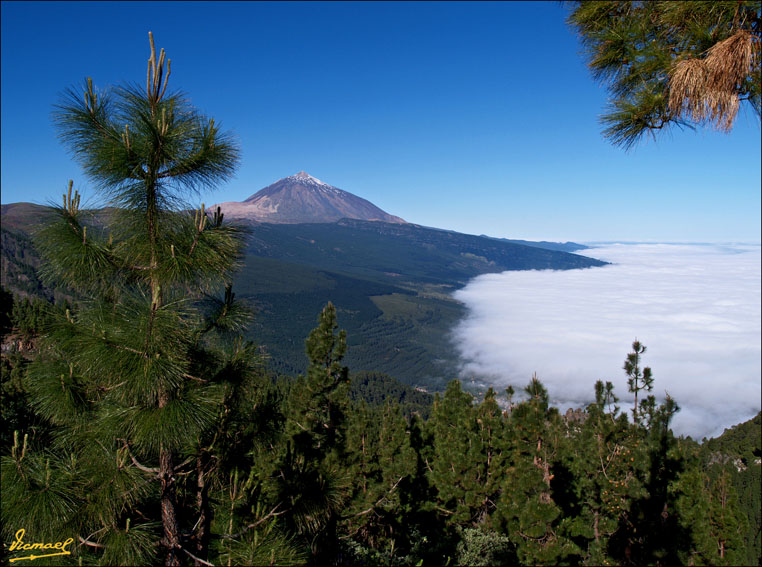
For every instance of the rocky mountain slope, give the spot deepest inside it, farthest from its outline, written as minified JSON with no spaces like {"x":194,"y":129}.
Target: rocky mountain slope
{"x":302,"y":198}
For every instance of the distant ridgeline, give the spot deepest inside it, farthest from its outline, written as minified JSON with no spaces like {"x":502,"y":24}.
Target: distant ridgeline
{"x":390,"y":281}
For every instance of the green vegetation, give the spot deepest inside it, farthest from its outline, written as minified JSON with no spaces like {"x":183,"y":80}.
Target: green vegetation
{"x":389,"y":282}
{"x":322,"y":469}
{"x":672,"y":63}
{"x":391,"y":285}
{"x":402,"y":254}
{"x":20,"y":264}
{"x":139,"y":371}
{"x":377,"y":389}
{"x":742,"y":441}
{"x":735,"y":457}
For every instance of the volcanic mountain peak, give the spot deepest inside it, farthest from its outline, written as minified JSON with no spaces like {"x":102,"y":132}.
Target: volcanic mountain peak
{"x":301,"y":181}
{"x":301,"y":198}
{"x":304,"y":177}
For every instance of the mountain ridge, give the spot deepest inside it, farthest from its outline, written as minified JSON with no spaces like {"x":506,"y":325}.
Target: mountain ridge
{"x":391,"y":284}
{"x":309,"y":243}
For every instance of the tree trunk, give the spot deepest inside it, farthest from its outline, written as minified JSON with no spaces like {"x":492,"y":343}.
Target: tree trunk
{"x":171,"y":539}
{"x":202,"y":503}
{"x":635,"y":408}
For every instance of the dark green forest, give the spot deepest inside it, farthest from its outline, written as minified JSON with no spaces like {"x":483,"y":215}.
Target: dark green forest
{"x":142,"y":425}
{"x":359,"y":469}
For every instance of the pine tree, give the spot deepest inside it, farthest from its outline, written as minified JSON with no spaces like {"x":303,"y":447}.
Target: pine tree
{"x":526,"y":511}
{"x":709,"y":511}
{"x":132,"y":380}
{"x":638,"y":380}
{"x":427,"y":531}
{"x":310,"y":476}
{"x":598,"y":476}
{"x":672,"y":63}
{"x":650,"y":531}
{"x":454,"y":462}
{"x":321,"y":407}
{"x":708,"y":507}
{"x":383,"y":467}
{"x":363,"y":435}
{"x":726,"y":523}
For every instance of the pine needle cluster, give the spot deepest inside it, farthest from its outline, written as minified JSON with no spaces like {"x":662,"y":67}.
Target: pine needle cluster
{"x":672,"y":63}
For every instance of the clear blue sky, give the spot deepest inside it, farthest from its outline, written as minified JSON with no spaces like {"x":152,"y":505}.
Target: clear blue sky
{"x":480,"y":118}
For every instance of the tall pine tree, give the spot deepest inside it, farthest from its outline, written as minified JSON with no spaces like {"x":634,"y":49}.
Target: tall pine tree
{"x":310,"y":475}
{"x":637,"y":379}
{"x":132,"y":380}
{"x":526,"y":511}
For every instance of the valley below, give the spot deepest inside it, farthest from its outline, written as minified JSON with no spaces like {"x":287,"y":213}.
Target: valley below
{"x":392,"y":285}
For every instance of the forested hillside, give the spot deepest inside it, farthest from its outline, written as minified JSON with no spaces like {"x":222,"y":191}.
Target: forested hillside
{"x":19,"y":264}
{"x":736,"y":455}
{"x":324,"y":469}
{"x":391,"y":283}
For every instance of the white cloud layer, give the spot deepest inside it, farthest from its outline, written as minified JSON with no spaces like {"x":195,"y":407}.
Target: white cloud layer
{"x":696,"y":307}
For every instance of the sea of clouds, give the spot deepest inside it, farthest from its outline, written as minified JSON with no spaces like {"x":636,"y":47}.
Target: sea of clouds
{"x":696,"y":308}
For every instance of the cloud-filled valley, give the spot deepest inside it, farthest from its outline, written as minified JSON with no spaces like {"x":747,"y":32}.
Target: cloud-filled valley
{"x":696,"y":308}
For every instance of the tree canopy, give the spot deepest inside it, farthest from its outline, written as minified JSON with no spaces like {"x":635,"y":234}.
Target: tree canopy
{"x":141,"y":370}
{"x":671,"y":63}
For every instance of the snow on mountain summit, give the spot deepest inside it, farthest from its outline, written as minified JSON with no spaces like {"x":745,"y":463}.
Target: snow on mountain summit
{"x":305,"y":177}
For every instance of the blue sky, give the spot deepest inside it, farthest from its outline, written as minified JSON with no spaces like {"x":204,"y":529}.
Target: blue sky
{"x":481,"y":118}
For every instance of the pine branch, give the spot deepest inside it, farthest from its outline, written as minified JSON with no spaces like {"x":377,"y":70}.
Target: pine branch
{"x":200,"y":224}
{"x":271,"y":514}
{"x":187,"y":461}
{"x":195,"y":378}
{"x":135,"y":462}
{"x":199,"y":560}
{"x":114,"y":387}
{"x":90,"y":543}
{"x":142,"y":353}
{"x":378,"y":502}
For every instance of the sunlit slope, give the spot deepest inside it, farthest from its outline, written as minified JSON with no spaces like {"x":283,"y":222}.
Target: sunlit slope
{"x":403,"y":253}
{"x":391,"y":284}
